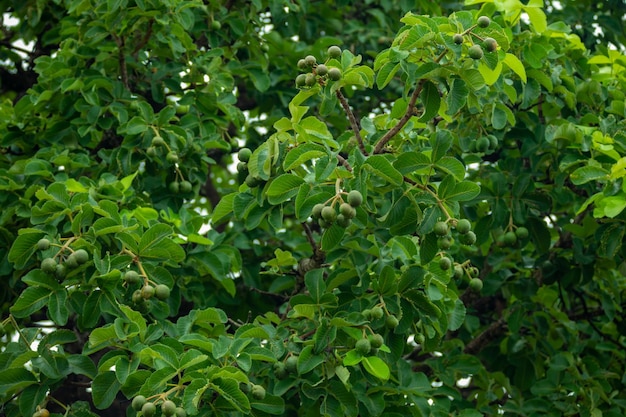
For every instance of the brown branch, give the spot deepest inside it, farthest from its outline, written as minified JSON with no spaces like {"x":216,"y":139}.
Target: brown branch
{"x":410,"y":111}
{"x":343,"y":162}
{"x":353,"y":122}
{"x":479,"y":342}
{"x":121,"y":59}
{"x":145,"y":39}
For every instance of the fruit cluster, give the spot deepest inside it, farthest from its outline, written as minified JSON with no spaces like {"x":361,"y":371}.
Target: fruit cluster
{"x":511,"y":238}
{"x":52,"y":266}
{"x":149,"y":409}
{"x":484,"y":144}
{"x":465,"y":234}
{"x":286,"y":367}
{"x":171,"y":156}
{"x":477,"y":51}
{"x":327,"y":215}
{"x":244,"y":156}
{"x":318,"y":72}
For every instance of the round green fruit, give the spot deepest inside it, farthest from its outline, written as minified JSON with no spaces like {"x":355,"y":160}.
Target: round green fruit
{"x":493,"y":142}
{"x":310,"y":80}
{"x":49,"y":266}
{"x":468,"y":238}
{"x":444,"y":242}
{"x":521,"y":232}
{"x":168,"y":408}
{"x":473,"y":271}
{"x":44,"y":412}
{"x":328,"y":214}
{"x":252,"y":181}
{"x":137,"y":297}
{"x":510,"y":238}
{"x":301,"y":80}
{"x":148,"y":410}
{"x":215,"y":25}
{"x":279,"y":370}
{"x":258,"y":392}
{"x":376,"y":340}
{"x":60,"y":271}
{"x":483,"y":21}
{"x":490,"y":44}
{"x":355,"y":198}
{"x":131,"y":277}
{"x":367,"y":313}
{"x":463,"y":226}
{"x":392,"y":322}
{"x":162,"y":291}
{"x":377,"y":312}
{"x":482,"y":144}
{"x":334,"y":51}
{"x":316,"y":213}
{"x":158,"y":141}
{"x":174,"y":187}
{"x":441,"y":228}
{"x":445,"y":263}
{"x":347,"y":210}
{"x":43,"y":244}
{"x":147,"y":292}
{"x":363,"y":346}
{"x":180,"y":412}
{"x":151,"y":151}
{"x":185,"y":186}
{"x":476,"y":284}
{"x":334,"y":74}
{"x":342,"y":221}
{"x":171,"y":157}
{"x":321,"y":70}
{"x":81,"y":256}
{"x":244,"y":154}
{"x":458,"y":272}
{"x":457,"y":38}
{"x":324,"y":224}
{"x":475,"y":52}
{"x":291,"y":364}
{"x":310,"y":60}
{"x":242,"y":166}
{"x":301,"y":64}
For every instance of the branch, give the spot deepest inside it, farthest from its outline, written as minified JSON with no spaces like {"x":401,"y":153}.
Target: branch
{"x":410,"y":111}
{"x":353,"y":122}
{"x":477,"y":344}
{"x":121,"y":59}
{"x":343,"y":162}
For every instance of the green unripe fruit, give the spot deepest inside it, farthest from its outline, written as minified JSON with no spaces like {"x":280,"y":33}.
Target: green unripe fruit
{"x":355,"y":198}
{"x":137,"y":297}
{"x":252,"y":181}
{"x":81,"y":256}
{"x":158,"y":141}
{"x":43,"y":412}
{"x":180,"y":412}
{"x":468,"y":239}
{"x":171,"y":157}
{"x":310,"y":60}
{"x":174,"y":187}
{"x":316,"y":213}
{"x":457,"y":38}
{"x":510,"y":238}
{"x":342,"y":221}
{"x":321,"y":70}
{"x":215,"y":25}
{"x":473,"y":271}
{"x":328,"y":214}
{"x":162,"y":291}
{"x":291,"y":364}
{"x":324,"y":224}
{"x":483,"y":21}
{"x":463,"y":226}
{"x":363,"y":346}
{"x":490,"y":44}
{"x":476,"y":284}
{"x":131,"y":277}
{"x":242,"y":166}
{"x":347,"y":210}
{"x":445,"y":263}
{"x":521,"y":232}
{"x":185,"y":187}
{"x":148,"y":409}
{"x":49,"y":266}
{"x":244,"y":387}
{"x":151,"y":151}
{"x":441,"y":228}
{"x":258,"y":392}
{"x":60,"y":271}
{"x":444,"y":242}
{"x":392,"y":322}
{"x":367,"y":313}
{"x":334,"y":74}
{"x":482,"y":144}
{"x":43,"y":244}
{"x":377,"y":312}
{"x":168,"y":408}
{"x":475,"y":52}
{"x":147,"y":292}
{"x":458,"y":272}
{"x":334,"y":51}
{"x":310,"y":80}
{"x":279,"y":370}
{"x":493,"y":142}
{"x":244,"y":154}
{"x":376,"y":340}
{"x":301,"y":64}
{"x":301,"y":80}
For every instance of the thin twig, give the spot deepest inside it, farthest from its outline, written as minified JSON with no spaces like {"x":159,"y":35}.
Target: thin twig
{"x":353,"y":122}
{"x":479,"y":342}
{"x":343,"y":162}
{"x":121,"y":60}
{"x":309,"y":237}
{"x":410,"y":111}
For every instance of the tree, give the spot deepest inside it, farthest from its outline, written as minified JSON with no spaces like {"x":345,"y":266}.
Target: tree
{"x":311,"y":208}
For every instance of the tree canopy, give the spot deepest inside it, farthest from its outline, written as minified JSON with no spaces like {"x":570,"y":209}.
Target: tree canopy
{"x":312,"y":208}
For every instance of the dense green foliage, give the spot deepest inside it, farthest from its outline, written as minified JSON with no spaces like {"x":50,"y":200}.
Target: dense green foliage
{"x":312,"y":208}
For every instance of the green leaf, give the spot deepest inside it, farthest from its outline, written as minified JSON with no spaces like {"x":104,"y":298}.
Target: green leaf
{"x":456,"y":316}
{"x":31,"y":300}
{"x":307,"y":361}
{"x":451,"y":165}
{"x":271,"y":404}
{"x":104,"y":389}
{"x":431,"y":99}
{"x":301,"y":154}
{"x":377,"y":367}
{"x":463,"y":191}
{"x":23,"y":248}
{"x":386,"y":74}
{"x":283,"y":188}
{"x":457,"y":96}
{"x":57,"y":309}
{"x":223,"y":209}
{"x":228,"y":388}
{"x":15,"y":379}
{"x":588,"y":173}
{"x":331,"y":237}
{"x":515,"y":65}
{"x":382,"y":168}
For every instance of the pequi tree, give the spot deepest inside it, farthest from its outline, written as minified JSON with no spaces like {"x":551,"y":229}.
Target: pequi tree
{"x":301,"y":208}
